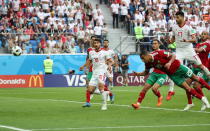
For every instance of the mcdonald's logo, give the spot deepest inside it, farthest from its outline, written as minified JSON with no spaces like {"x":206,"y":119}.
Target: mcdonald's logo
{"x":35,"y":81}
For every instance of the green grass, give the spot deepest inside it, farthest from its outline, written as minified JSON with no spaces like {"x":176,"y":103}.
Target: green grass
{"x":52,"y":108}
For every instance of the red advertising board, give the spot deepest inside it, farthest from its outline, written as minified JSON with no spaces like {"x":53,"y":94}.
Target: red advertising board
{"x":24,"y":81}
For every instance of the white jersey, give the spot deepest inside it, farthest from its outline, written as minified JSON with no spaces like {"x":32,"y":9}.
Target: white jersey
{"x":182,"y":33}
{"x":110,"y":52}
{"x":99,"y":60}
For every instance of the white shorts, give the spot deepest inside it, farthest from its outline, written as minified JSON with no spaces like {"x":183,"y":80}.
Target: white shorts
{"x":187,"y":54}
{"x":97,"y":78}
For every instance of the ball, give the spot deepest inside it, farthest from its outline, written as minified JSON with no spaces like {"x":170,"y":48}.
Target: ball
{"x":16,"y":51}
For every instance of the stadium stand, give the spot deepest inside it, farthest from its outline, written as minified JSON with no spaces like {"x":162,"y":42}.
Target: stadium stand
{"x":70,"y":23}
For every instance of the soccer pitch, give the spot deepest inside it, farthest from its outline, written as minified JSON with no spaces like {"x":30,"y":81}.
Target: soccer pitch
{"x":60,"y":109}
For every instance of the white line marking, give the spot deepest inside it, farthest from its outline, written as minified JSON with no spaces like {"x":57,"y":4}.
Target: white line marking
{"x":144,"y":107}
{"x":29,"y":93}
{"x":120,"y":127}
{"x":119,"y":105}
{"x":13,"y":128}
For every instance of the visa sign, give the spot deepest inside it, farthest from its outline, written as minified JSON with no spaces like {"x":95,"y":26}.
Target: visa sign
{"x":76,"y":80}
{"x":64,"y":80}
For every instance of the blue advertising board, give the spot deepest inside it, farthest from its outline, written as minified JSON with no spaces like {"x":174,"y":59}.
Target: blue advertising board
{"x":64,"y":80}
{"x":33,"y":64}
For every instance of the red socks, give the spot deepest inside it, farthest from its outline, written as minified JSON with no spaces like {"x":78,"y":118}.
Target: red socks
{"x":196,"y":94}
{"x":87,"y":96}
{"x":189,"y":97}
{"x":157,"y":93}
{"x":141,"y":97}
{"x":199,"y":90}
{"x":203,"y":82}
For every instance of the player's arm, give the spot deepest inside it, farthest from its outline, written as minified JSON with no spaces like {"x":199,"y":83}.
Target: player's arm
{"x":87,"y":64}
{"x":201,"y":49}
{"x":110,"y":62}
{"x":145,"y":72}
{"x":172,"y":59}
{"x":192,"y":40}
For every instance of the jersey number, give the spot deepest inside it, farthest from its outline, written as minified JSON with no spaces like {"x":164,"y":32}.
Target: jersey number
{"x":180,"y":34}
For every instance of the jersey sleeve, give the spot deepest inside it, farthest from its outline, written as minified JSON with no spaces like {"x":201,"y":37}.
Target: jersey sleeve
{"x":90,"y":55}
{"x":108,"y":56}
{"x":191,"y":31}
{"x":173,"y":31}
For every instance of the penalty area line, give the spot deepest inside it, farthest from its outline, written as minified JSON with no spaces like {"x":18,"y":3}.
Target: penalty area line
{"x":121,"y":127}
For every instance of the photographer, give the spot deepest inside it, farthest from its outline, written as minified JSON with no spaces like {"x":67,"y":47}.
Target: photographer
{"x":125,"y":66}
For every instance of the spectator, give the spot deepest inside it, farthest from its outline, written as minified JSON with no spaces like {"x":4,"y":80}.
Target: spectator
{"x":115,"y":13}
{"x":139,"y":35}
{"x":98,"y":31}
{"x":125,"y":66}
{"x":124,"y":13}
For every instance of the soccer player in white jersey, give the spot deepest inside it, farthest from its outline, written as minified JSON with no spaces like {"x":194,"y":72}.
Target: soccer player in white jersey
{"x":100,"y":60}
{"x":109,"y":74}
{"x":184,"y":36}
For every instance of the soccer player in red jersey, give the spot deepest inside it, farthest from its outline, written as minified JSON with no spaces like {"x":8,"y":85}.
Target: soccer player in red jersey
{"x":202,"y":49}
{"x":168,"y":63}
{"x":155,"y":80}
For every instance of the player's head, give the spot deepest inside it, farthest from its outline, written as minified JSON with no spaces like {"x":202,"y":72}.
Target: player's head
{"x":145,"y":56}
{"x":204,"y":35}
{"x":156,"y":44}
{"x":179,"y":17}
{"x":106,"y":43}
{"x":97,"y":44}
{"x":92,"y":41}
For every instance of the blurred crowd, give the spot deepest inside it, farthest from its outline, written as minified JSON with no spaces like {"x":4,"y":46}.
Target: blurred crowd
{"x":50,"y":26}
{"x":156,"y":17}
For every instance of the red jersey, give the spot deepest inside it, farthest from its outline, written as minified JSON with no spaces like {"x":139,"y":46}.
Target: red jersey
{"x":88,"y":51}
{"x":204,"y":54}
{"x":160,"y":58}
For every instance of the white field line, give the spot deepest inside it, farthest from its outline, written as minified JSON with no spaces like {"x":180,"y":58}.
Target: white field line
{"x":28,"y":93}
{"x":14,"y":128}
{"x":144,"y":107}
{"x":121,"y":127}
{"x":118,"y":105}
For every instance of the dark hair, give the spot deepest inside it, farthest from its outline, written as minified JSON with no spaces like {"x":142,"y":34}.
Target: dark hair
{"x":106,"y":40}
{"x":157,"y":41}
{"x":144,"y":52}
{"x":92,"y":37}
{"x":180,"y":13}
{"x":98,"y":40}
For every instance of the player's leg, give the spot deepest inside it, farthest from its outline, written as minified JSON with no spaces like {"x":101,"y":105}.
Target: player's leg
{"x":88,"y":95}
{"x":90,"y":90}
{"x":189,"y":97}
{"x":157,"y":93}
{"x":171,"y":90}
{"x":196,"y":60}
{"x":198,"y":87}
{"x":101,"y":83}
{"x":161,"y":78}
{"x":179,"y":79}
{"x":109,"y":82}
{"x":141,"y":96}
{"x":201,"y":81}
{"x":150,"y":81}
